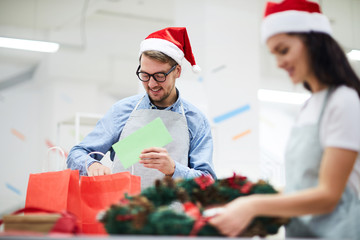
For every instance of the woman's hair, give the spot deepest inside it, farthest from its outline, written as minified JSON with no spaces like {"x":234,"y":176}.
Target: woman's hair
{"x":328,"y":61}
{"x":159,"y":56}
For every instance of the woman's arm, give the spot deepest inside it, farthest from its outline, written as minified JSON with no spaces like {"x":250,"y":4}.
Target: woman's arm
{"x":334,"y":172}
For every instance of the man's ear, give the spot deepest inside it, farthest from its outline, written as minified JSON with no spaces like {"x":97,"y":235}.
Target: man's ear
{"x":178,"y":73}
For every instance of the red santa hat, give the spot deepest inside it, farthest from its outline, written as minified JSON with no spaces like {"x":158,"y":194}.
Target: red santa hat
{"x":293,"y":16}
{"x":172,"y":41}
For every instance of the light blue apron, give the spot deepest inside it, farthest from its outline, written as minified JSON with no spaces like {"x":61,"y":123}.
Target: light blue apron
{"x":302,"y":163}
{"x":178,"y":149}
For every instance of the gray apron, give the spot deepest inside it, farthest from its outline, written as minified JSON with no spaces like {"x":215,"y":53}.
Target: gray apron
{"x":303,"y":157}
{"x":178,"y":149}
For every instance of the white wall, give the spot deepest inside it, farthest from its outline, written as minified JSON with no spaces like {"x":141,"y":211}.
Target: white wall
{"x":30,"y":117}
{"x":19,"y":141}
{"x":226,"y":46}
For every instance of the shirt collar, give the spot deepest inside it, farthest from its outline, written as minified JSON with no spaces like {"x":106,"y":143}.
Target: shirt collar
{"x":173,"y":107}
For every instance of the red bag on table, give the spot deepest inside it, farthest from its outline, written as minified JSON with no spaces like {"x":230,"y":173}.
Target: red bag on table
{"x":99,"y":192}
{"x":54,"y":191}
{"x":62,"y":191}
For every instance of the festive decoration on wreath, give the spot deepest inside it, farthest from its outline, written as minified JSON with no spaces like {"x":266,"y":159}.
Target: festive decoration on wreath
{"x":176,"y":207}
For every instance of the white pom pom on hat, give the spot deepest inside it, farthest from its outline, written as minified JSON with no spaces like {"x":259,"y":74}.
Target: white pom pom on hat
{"x":172,"y":41}
{"x":196,"y":69}
{"x":293,"y":16}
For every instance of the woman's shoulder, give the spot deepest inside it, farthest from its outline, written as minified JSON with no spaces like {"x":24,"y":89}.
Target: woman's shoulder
{"x":343,"y":103}
{"x":344,"y":95}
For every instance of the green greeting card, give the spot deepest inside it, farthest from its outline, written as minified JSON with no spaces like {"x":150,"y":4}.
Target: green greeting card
{"x":154,"y":134}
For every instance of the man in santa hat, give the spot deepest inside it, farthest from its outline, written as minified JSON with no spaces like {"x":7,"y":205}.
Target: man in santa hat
{"x":189,"y":154}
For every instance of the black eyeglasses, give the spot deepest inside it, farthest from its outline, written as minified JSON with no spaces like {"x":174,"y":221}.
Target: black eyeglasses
{"x":158,"y":76}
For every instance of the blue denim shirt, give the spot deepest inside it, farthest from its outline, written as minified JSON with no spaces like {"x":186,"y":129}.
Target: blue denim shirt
{"x":108,"y":130}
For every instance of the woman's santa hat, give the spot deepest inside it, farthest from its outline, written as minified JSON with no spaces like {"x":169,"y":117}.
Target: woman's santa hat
{"x":172,"y":41}
{"x":293,"y":16}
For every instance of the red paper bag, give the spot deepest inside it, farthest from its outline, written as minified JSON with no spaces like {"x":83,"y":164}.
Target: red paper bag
{"x":60,"y":191}
{"x":98,"y":193}
{"x":135,"y":185}
{"x":54,"y":191}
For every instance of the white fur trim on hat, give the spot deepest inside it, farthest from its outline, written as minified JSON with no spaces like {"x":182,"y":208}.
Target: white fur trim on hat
{"x":196,"y":69}
{"x":163,"y":46}
{"x":294,"y":21}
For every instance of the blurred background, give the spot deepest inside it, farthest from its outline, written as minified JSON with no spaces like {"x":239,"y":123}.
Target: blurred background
{"x":54,"y":99}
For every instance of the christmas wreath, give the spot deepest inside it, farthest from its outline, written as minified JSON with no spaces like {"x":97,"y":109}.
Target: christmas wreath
{"x":177,"y":207}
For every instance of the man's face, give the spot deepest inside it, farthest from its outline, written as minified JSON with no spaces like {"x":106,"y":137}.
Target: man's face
{"x":162,"y":94}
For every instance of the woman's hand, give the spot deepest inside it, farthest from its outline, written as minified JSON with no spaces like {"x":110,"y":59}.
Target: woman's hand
{"x":235,"y":217}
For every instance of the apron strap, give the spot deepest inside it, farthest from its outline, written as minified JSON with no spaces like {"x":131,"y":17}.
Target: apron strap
{"x":138,"y":103}
{"x":182,"y":109}
{"x":328,"y":93}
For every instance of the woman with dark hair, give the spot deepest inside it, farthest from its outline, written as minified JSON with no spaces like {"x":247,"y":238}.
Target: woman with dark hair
{"x":322,"y":163}
{"x":328,"y":61}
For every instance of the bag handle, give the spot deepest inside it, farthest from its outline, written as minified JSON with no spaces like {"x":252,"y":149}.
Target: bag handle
{"x":62,"y":154}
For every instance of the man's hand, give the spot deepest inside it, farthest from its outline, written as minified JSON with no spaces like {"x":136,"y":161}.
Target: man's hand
{"x":97,"y":169}
{"x":158,"y":158}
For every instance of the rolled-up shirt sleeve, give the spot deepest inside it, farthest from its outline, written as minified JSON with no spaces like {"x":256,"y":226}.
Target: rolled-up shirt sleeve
{"x":104,"y":135}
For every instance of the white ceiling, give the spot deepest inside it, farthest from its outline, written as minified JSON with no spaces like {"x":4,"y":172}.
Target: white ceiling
{"x":107,"y":27}
{"x":77,"y":25}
